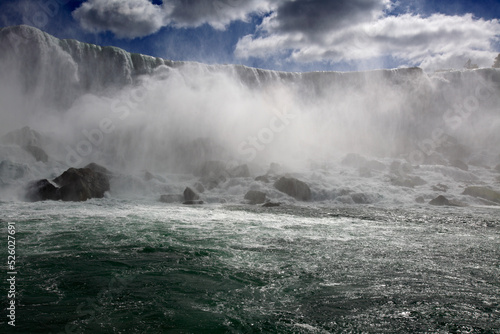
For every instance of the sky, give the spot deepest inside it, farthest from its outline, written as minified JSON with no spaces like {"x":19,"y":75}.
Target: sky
{"x":287,"y":35}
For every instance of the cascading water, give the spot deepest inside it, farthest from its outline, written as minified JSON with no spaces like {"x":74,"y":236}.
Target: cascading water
{"x":365,"y":254}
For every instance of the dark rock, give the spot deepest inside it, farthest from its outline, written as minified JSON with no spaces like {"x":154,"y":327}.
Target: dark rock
{"x":98,"y":169}
{"x":255,"y":197}
{"x":171,"y":198}
{"x":37,"y":153}
{"x":199,"y":187}
{"x":293,"y":187}
{"x":420,"y":199}
{"x":459,"y":164}
{"x":190,"y":195}
{"x":240,"y":171}
{"x":193,"y":202}
{"x":41,"y":190}
{"x":440,"y":201}
{"x":407,"y":181}
{"x":440,"y":187}
{"x":271,"y":204}
{"x":484,"y":193}
{"x":262,"y":178}
{"x":82,"y":184}
{"x":353,"y":160}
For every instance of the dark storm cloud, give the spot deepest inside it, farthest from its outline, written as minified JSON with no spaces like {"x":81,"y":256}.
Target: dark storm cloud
{"x":318,"y":16}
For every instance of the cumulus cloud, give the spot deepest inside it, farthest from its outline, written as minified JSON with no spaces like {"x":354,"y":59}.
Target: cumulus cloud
{"x":362,"y":29}
{"x":138,"y":18}
{"x":217,"y":13}
{"x":130,"y":18}
{"x":305,"y":31}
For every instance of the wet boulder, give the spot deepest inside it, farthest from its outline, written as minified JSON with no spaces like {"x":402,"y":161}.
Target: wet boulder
{"x":440,"y":201}
{"x":41,"y":190}
{"x":255,"y":197}
{"x":82,"y":184}
{"x":484,"y":193}
{"x":293,"y":187}
{"x":74,"y":185}
{"x":190,"y":195}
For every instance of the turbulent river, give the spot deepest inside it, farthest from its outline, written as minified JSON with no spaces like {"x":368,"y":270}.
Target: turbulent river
{"x":116,"y":266}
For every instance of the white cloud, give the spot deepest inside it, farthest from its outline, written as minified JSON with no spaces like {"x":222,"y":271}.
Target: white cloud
{"x":138,"y":18}
{"x":130,"y":18}
{"x":433,"y":42}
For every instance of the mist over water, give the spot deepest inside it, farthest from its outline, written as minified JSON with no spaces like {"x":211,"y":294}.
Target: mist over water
{"x":365,"y":252}
{"x":132,"y":112}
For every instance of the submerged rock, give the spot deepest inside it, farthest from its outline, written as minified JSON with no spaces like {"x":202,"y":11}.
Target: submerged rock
{"x":255,"y":197}
{"x":190,"y":195}
{"x":293,"y":187}
{"x":484,"y":193}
